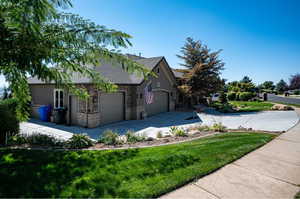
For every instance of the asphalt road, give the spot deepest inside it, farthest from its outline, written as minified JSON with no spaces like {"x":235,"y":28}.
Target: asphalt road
{"x":289,"y":100}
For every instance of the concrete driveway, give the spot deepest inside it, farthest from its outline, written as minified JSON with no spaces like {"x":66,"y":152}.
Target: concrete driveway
{"x":268,"y":121}
{"x":265,"y":120}
{"x":149,"y":126}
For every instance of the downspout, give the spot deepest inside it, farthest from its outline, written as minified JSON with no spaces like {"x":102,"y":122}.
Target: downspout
{"x":86,"y":110}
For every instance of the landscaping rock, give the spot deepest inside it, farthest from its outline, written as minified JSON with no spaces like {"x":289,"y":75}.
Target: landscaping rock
{"x":281,"y":107}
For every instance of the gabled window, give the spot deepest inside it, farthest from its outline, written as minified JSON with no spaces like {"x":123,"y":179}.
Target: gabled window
{"x":58,"y":98}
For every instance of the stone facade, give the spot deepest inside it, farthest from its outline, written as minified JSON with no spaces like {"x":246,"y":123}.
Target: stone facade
{"x":90,"y":120}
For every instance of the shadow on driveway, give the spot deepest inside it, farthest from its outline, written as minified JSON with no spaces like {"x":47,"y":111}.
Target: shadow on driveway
{"x":163,"y":120}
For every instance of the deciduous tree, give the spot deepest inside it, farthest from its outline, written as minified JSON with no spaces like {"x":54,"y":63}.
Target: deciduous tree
{"x":38,"y":39}
{"x":295,"y":81}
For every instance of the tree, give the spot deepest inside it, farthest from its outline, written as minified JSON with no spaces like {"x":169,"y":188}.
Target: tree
{"x":204,"y":68}
{"x":246,"y":79}
{"x":38,"y":39}
{"x":269,"y":85}
{"x":295,"y":81}
{"x":281,"y":86}
{"x":240,"y":86}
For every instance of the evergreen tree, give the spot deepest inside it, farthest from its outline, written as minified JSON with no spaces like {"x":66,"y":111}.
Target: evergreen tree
{"x":281,"y":86}
{"x":246,"y":79}
{"x":203,"y":77}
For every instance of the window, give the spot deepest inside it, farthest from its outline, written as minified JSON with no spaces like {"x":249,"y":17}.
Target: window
{"x":141,"y":95}
{"x":58,"y":98}
{"x":157,"y":70}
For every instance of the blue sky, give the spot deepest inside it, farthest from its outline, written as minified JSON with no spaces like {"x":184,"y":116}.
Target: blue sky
{"x":259,"y":38}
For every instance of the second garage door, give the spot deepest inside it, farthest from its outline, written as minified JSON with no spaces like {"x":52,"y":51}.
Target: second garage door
{"x":111,"y":107}
{"x":160,"y":103}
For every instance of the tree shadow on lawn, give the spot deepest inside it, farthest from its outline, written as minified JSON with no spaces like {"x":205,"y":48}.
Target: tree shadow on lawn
{"x":44,"y":174}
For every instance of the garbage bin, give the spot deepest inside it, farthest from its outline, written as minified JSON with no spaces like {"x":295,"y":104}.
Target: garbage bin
{"x":44,"y":113}
{"x":59,"y":115}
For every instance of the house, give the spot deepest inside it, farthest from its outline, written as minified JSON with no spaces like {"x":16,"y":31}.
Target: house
{"x":128,"y":103}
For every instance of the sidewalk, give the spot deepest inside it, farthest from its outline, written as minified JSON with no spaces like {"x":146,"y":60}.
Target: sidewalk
{"x":272,"y":171}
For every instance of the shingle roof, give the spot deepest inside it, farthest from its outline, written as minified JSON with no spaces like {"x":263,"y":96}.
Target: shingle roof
{"x":177,"y":73}
{"x":113,"y":73}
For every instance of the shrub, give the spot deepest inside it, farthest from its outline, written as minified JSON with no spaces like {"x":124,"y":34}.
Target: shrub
{"x":16,"y":140}
{"x":132,"y":137}
{"x":231,"y":96}
{"x":203,"y":128}
{"x":246,"y":96}
{"x":79,"y":141}
{"x":226,"y":108}
{"x":178,"y":132}
{"x":9,"y":124}
{"x":297,"y":92}
{"x":159,"y":134}
{"x":223,"y":98}
{"x":42,"y":140}
{"x":110,"y":138}
{"x":218,"y":127}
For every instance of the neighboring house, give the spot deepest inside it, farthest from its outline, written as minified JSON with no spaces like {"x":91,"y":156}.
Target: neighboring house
{"x":128,"y":103}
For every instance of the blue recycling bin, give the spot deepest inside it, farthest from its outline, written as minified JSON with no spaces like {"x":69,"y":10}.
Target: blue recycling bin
{"x":44,"y":113}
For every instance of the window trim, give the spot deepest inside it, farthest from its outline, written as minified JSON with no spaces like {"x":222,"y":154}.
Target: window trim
{"x":59,"y":98}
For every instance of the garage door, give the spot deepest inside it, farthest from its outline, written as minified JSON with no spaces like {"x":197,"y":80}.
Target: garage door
{"x":160,"y":103}
{"x":111,"y":107}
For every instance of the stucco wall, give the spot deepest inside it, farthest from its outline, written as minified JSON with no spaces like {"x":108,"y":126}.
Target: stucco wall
{"x":43,"y":94}
{"x":164,"y":82}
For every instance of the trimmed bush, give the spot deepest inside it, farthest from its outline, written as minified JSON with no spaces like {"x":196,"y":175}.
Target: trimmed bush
{"x":9,"y":124}
{"x":246,"y":96}
{"x":231,"y":96}
{"x":79,"y":141}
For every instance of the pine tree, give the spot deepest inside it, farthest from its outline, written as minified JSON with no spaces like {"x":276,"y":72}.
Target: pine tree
{"x":204,"y":68}
{"x":282,"y":86}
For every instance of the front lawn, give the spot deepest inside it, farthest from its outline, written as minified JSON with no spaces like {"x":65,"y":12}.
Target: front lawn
{"x":247,"y":106}
{"x":134,"y":173}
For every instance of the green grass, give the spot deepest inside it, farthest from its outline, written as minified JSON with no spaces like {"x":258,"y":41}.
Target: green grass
{"x":134,"y":173}
{"x":245,"y":106}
